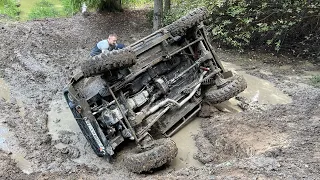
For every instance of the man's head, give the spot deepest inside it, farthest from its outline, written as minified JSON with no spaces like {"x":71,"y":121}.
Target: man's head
{"x":112,"y":39}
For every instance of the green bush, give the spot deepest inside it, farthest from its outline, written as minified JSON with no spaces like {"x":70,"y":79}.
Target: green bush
{"x":9,"y":8}
{"x":284,"y":24}
{"x":279,"y":25}
{"x":43,"y":9}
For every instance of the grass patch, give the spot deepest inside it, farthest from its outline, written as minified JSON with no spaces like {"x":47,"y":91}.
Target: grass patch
{"x":43,"y":9}
{"x":136,"y":4}
{"x":315,"y":81}
{"x":36,"y":9}
{"x":10,"y":9}
{"x":68,"y":8}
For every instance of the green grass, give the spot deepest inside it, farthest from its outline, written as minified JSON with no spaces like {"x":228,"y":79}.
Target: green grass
{"x":68,"y":7}
{"x":315,"y":81}
{"x":136,"y":3}
{"x":37,"y":9}
{"x":43,"y":9}
{"x":9,"y":8}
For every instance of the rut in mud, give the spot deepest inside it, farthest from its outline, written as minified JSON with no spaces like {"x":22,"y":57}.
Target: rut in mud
{"x":274,"y":137}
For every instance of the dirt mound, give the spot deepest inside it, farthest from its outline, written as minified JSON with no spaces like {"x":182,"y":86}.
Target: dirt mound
{"x":231,"y":139}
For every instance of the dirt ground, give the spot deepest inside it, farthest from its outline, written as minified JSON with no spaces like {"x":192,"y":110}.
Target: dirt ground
{"x":252,"y":140}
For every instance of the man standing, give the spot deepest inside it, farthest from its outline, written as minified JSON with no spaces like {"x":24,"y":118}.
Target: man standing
{"x":106,"y":45}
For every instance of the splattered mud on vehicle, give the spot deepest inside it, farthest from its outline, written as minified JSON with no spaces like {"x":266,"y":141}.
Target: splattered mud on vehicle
{"x":38,"y":57}
{"x":154,"y":86}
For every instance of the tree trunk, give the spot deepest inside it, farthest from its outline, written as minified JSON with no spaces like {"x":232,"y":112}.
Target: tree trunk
{"x":167,"y":5}
{"x":157,"y":14}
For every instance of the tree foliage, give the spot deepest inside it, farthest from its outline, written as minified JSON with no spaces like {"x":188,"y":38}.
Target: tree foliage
{"x":280,"y":25}
{"x":179,"y":8}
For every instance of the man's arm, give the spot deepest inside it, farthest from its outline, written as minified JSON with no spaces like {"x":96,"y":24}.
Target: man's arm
{"x":103,"y":46}
{"x":105,"y":51}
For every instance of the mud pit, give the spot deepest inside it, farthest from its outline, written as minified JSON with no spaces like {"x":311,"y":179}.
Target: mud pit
{"x":272,"y":132}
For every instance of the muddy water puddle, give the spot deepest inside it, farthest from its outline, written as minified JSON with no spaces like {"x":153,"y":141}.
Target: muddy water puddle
{"x":22,"y":162}
{"x":259,"y":90}
{"x":186,"y":146}
{"x":263,"y":91}
{"x":5,"y":94}
{"x":229,"y":106}
{"x":4,"y":90}
{"x":7,"y":142}
{"x":4,"y":133}
{"x":60,"y":119}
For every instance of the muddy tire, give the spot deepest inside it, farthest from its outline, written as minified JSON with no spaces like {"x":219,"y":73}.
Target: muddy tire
{"x":180,"y":26}
{"x":236,"y":85}
{"x":105,"y":62}
{"x":161,"y":152}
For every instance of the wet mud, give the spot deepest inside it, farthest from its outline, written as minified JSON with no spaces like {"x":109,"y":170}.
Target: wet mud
{"x":270,"y":131}
{"x":186,"y":146}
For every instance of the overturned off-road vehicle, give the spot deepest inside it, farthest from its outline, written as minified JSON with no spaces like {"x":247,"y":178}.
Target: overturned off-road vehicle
{"x":148,"y":91}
